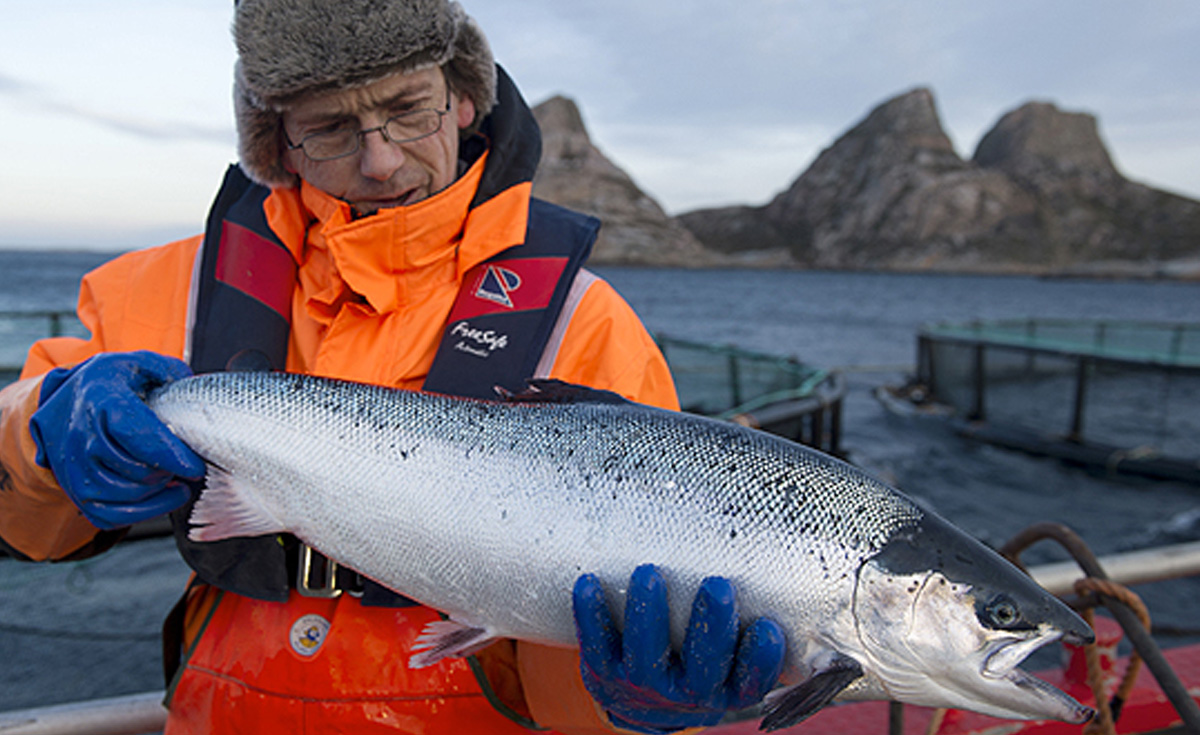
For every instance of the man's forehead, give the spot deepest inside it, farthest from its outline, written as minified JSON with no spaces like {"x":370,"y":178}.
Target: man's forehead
{"x":397,"y":87}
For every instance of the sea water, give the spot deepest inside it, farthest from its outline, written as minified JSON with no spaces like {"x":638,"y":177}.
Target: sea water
{"x":88,"y":629}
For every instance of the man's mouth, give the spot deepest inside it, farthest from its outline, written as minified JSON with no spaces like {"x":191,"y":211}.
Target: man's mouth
{"x":372,"y":205}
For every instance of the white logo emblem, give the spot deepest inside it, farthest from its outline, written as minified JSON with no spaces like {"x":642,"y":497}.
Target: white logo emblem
{"x":497,"y":285}
{"x":308,"y":633}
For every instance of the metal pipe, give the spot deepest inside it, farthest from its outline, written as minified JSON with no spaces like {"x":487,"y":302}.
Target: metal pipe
{"x":979,"y":410}
{"x":1130,"y":568}
{"x":1081,"y":379}
{"x":131,"y":715}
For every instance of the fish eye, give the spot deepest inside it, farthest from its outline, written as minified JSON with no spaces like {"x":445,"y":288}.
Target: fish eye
{"x":1001,"y":612}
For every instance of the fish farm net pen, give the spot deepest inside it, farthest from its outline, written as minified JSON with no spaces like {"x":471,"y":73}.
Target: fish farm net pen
{"x":1123,"y":396}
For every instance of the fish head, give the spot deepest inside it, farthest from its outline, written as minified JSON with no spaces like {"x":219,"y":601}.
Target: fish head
{"x":943,"y":621}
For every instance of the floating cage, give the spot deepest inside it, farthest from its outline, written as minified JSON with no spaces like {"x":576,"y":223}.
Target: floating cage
{"x":777,"y":394}
{"x":20,"y":329}
{"x":1124,"y":396}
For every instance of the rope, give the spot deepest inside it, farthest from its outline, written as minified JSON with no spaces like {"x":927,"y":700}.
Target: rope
{"x":1108,"y":711}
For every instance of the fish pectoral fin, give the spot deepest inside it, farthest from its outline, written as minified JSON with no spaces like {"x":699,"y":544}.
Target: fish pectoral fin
{"x":446,"y":638}
{"x":789,"y":706}
{"x":229,"y":507}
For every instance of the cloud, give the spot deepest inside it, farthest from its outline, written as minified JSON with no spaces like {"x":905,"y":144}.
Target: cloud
{"x":38,"y":100}
{"x":9,"y":85}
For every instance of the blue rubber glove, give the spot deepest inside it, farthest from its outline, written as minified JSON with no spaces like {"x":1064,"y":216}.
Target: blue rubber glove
{"x":106,"y":448}
{"x":647,"y":687}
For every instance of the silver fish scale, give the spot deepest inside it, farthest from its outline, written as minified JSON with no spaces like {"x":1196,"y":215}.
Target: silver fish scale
{"x":490,"y":510}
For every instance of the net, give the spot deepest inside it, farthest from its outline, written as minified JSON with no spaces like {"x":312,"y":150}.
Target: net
{"x":1130,"y":385}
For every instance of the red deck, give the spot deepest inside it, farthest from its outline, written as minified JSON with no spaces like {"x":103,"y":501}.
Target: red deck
{"x":1147,"y":709}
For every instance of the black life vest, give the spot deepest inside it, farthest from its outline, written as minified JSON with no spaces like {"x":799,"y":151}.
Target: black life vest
{"x":501,"y":323}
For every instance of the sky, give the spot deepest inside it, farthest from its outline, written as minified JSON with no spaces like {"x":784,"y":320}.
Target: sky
{"x":116,"y":115}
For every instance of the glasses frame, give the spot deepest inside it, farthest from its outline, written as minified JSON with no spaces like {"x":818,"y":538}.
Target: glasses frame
{"x":381,"y":129}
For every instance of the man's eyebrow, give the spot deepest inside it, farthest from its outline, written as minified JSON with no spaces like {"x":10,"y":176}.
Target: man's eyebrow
{"x":407,"y":96}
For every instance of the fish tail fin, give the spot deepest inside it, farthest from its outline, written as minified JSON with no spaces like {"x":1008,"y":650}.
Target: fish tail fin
{"x":229,"y":506}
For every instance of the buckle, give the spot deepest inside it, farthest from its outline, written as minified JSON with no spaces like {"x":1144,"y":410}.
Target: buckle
{"x":319,"y":576}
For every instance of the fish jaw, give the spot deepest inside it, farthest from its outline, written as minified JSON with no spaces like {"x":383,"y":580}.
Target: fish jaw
{"x":943,"y":621}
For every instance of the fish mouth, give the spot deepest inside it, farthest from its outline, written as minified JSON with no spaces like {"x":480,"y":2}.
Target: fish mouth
{"x":1011,"y":651}
{"x":1002,"y":665}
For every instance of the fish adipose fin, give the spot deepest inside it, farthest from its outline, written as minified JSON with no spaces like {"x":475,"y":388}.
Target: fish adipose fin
{"x":546,"y":390}
{"x":446,"y":638}
{"x":789,"y":706}
{"x":229,"y":507}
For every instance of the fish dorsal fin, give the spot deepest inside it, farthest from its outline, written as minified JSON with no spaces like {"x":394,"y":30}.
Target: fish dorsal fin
{"x":249,"y":361}
{"x":547,"y":390}
{"x":446,"y":638}
{"x":790,"y":706}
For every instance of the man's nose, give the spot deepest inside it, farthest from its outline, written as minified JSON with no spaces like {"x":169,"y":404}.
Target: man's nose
{"x":380,"y":157}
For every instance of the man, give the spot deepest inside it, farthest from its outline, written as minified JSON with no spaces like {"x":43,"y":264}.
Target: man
{"x":380,"y":228}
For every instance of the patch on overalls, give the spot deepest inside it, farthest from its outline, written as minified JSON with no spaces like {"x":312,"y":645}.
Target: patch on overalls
{"x":308,"y":633}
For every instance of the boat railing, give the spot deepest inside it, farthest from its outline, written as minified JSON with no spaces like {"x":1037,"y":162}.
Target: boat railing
{"x":20,"y":329}
{"x":144,"y":713}
{"x":1140,"y":342}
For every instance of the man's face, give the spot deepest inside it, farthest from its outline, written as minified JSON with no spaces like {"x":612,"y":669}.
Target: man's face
{"x":381,"y":174}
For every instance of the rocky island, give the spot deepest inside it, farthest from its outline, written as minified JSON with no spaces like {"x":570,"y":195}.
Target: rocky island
{"x":1040,"y":195}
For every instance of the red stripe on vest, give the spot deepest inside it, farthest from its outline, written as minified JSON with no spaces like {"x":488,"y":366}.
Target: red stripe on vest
{"x":256,"y":266}
{"x":506,"y":286}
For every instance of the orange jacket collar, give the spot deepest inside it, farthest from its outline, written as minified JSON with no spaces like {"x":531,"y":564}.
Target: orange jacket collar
{"x":393,"y":256}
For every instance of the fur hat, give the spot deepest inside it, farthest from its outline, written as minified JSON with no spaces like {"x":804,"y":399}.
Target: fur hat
{"x":290,"y":48}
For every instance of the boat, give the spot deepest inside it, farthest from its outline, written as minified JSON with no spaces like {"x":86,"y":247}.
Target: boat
{"x":803,"y":403}
{"x":1162,"y":697}
{"x":1114,"y":397}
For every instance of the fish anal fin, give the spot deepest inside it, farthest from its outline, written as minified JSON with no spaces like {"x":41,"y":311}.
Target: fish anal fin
{"x":228,"y":507}
{"x":446,"y":638}
{"x":794,"y":704}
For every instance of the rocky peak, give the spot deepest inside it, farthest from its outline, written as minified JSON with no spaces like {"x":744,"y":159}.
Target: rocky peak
{"x":892,"y":180}
{"x":1037,"y":140}
{"x":906,"y":125}
{"x":575,"y":174}
{"x":901,"y":132}
{"x":560,"y":116}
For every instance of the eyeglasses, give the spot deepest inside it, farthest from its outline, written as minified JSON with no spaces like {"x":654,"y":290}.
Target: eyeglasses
{"x":403,"y":128}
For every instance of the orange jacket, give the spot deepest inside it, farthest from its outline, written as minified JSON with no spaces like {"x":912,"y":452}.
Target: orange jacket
{"x":370,"y":301}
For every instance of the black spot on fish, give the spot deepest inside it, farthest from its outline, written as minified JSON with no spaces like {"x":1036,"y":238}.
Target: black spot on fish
{"x":733,"y":533}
